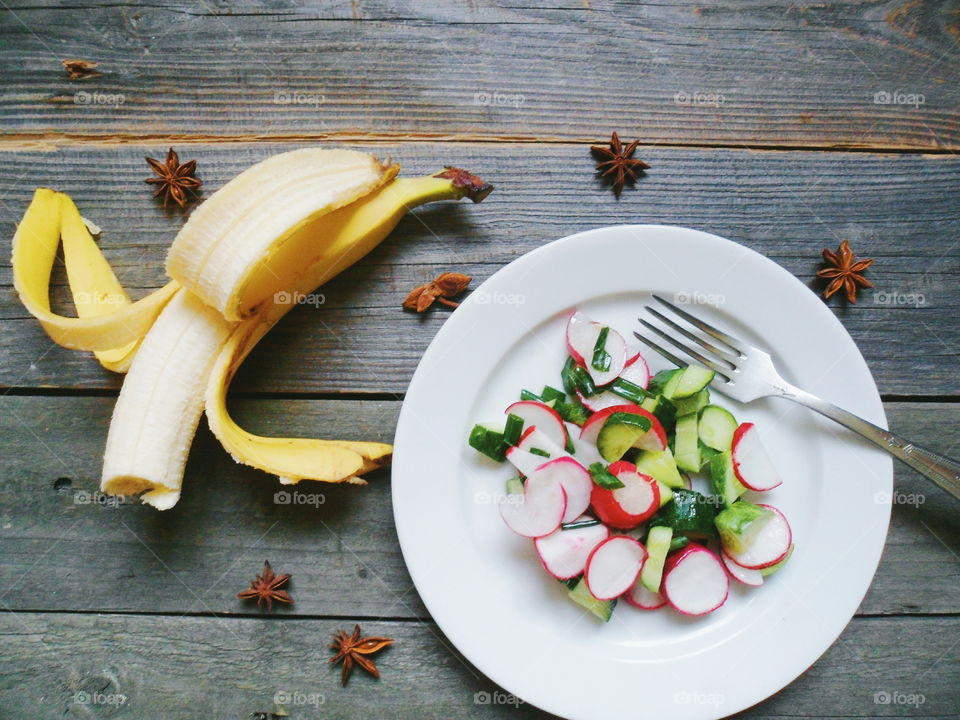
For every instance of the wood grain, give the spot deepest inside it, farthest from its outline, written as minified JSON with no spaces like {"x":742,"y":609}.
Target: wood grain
{"x":185,"y":668}
{"x":898,"y":209}
{"x":773,"y":73}
{"x":67,"y":551}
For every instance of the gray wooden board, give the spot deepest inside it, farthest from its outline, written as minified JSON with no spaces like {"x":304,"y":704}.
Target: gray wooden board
{"x":82,"y":666}
{"x":70,"y":551}
{"x":898,"y":209}
{"x":772,"y":73}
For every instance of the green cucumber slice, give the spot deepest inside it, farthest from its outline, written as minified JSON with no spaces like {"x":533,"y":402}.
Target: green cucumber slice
{"x":690,"y":513}
{"x":488,"y":440}
{"x":618,"y":434}
{"x":662,"y":409}
{"x":693,"y":379}
{"x":666,"y":493}
{"x":694,"y":403}
{"x":658,"y":545}
{"x":739,"y":524}
{"x":679,"y":542}
{"x":603,"y":609}
{"x":660,"y":466}
{"x":723,"y":481}
{"x":665,"y":382}
{"x":717,"y":426}
{"x":686,"y":449}
{"x":773,"y":568}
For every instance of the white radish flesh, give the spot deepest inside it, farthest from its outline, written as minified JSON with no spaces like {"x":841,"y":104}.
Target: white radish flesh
{"x":695,"y":582}
{"x":613,"y":567}
{"x":582,"y":336}
{"x":635,"y":371}
{"x":564,"y":553}
{"x":751,"y":463}
{"x":640,"y":597}
{"x":742,"y":574}
{"x":525,"y":461}
{"x":537,"y":511}
{"x":533,"y":438}
{"x":574,"y":479}
{"x":769,"y":546}
{"x":584,"y":452}
{"x":543,"y":417}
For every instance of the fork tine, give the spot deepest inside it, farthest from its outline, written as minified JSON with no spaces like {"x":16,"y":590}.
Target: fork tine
{"x":730,"y":342}
{"x":666,"y":353}
{"x":709,"y":347}
{"x":725,"y":372}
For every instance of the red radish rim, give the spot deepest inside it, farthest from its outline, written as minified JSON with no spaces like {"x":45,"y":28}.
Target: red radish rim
{"x":789,"y":542}
{"x":586,"y":570}
{"x":737,"y":571}
{"x":676,"y":559}
{"x":546,"y":567}
{"x":586,"y":485}
{"x":541,"y":407}
{"x":628,"y":596}
{"x":738,"y":434}
{"x":526,"y":492}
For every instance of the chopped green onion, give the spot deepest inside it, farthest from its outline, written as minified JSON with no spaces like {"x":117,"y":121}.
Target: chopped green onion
{"x":527,"y":395}
{"x":511,"y":433}
{"x":603,"y":477}
{"x":601,"y":358}
{"x":538,"y":451}
{"x":587,"y":522}
{"x":584,"y":383}
{"x":551,"y":393}
{"x":573,"y":412}
{"x":567,"y":376}
{"x":488,"y":441}
{"x":629,"y":391}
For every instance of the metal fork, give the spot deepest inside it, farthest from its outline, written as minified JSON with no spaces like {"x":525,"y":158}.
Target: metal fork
{"x":746,"y":373}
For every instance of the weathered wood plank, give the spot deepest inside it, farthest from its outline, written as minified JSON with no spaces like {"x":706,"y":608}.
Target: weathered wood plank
{"x":185,"y":667}
{"x":62,"y":551}
{"x":772,"y":73}
{"x":898,"y":209}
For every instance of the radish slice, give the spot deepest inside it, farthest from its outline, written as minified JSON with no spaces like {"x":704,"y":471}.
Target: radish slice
{"x":613,"y":566}
{"x":636,"y":371}
{"x":694,"y":581}
{"x":583,"y":452}
{"x":770,"y":545}
{"x":543,"y":417}
{"x":751,"y":464}
{"x":537,"y":511}
{"x":742,"y":574}
{"x":564,"y":553}
{"x":574,"y":479}
{"x":582,"y":335}
{"x":634,"y":503}
{"x":533,"y":438}
{"x":640,"y":597}
{"x":525,"y":461}
{"x":654,"y":439}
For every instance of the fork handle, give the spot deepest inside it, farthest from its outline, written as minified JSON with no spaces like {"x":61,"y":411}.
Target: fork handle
{"x":942,"y":470}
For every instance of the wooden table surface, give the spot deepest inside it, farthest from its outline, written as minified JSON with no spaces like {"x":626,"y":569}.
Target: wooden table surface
{"x":786,"y":126}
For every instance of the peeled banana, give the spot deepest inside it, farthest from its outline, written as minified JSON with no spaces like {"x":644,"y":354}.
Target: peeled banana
{"x":276,"y":231}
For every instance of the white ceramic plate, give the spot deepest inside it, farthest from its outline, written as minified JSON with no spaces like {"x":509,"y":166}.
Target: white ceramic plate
{"x":483,"y":584}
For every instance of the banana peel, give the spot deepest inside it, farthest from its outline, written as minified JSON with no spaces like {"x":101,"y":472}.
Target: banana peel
{"x":306,"y":256}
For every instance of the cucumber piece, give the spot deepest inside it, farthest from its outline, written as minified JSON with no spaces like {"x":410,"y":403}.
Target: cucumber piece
{"x":739,"y":524}
{"x":717,"y":426}
{"x":579,"y":593}
{"x":665,"y":382}
{"x":694,"y":403}
{"x":658,"y":545}
{"x":690,"y":514}
{"x":619,"y":432}
{"x":686,"y":449}
{"x":573,"y":412}
{"x":693,"y":379}
{"x":514,"y":486}
{"x":661,"y":467}
{"x":551,"y":393}
{"x":723,"y":481}
{"x":679,"y":542}
{"x":767,"y":571}
{"x":662,"y":409}
{"x":666,"y":494}
{"x":488,"y":440}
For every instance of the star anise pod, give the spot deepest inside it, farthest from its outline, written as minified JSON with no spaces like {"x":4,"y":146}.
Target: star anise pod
{"x":445,"y":285}
{"x":618,"y":163}
{"x":844,"y":271}
{"x":266,"y":587}
{"x":355,"y":649}
{"x":176,"y":180}
{"x":80,"y":69}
